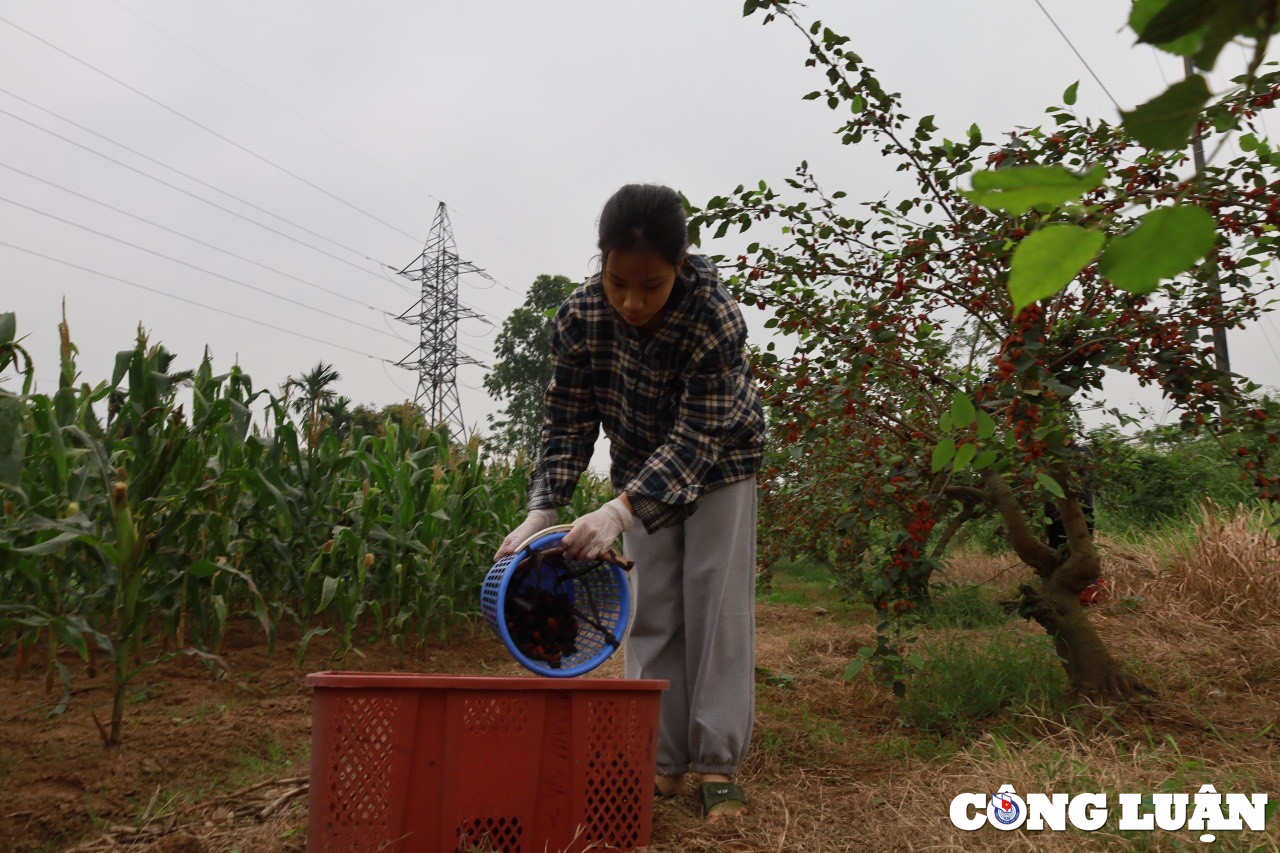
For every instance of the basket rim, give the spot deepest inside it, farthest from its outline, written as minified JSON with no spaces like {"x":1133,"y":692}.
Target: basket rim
{"x":546,"y":531}
{"x":621,"y":577}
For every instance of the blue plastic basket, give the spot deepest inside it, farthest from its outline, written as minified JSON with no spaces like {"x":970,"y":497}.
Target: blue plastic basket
{"x":597,"y":589}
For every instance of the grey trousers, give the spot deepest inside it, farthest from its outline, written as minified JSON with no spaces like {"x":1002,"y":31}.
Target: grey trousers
{"x":695,"y":626}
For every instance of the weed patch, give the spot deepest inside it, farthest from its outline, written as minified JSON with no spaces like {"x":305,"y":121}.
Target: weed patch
{"x":964,"y":606}
{"x":967,"y":678}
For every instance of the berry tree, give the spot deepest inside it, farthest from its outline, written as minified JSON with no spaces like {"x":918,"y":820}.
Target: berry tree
{"x":947,"y":340}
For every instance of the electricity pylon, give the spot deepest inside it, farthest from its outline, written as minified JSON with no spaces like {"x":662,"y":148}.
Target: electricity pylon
{"x":436,"y":314}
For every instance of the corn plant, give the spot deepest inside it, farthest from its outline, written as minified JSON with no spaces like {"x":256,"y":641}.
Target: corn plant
{"x":134,"y":531}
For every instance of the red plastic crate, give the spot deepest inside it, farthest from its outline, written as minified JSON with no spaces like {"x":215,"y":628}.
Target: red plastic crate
{"x":413,"y":762}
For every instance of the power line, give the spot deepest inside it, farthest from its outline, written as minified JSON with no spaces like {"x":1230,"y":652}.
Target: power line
{"x":205,"y":128}
{"x":196,"y":267}
{"x":1155,"y":55}
{"x":284,"y":106}
{"x":186,"y":175}
{"x":402,"y":340}
{"x":1079,"y":56}
{"x":190,"y":194}
{"x":157,"y":292}
{"x":196,"y":240}
{"x":407,"y":394}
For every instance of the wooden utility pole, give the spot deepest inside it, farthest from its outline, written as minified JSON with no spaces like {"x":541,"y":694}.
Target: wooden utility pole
{"x":1221,"y":357}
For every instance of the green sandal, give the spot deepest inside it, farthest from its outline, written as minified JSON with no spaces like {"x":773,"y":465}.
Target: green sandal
{"x":715,"y":793}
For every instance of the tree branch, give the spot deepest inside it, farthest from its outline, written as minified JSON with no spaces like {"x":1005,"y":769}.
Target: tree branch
{"x":1026,"y":544}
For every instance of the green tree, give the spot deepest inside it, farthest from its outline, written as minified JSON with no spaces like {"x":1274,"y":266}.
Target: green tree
{"x":1052,"y":255}
{"x":339,"y":416}
{"x":522,"y":367}
{"x":367,"y":418}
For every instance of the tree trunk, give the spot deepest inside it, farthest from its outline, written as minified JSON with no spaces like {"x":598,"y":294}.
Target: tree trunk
{"x":1089,"y":665}
{"x":1055,"y":606}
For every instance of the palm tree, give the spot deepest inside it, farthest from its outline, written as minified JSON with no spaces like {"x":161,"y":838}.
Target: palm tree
{"x":339,"y":416}
{"x":314,"y":395}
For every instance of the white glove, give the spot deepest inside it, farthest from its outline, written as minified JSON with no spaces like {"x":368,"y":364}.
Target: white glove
{"x":594,"y":534}
{"x":537,"y":519}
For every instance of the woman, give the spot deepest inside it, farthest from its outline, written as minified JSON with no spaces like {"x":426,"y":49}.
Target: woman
{"x":654,"y":349}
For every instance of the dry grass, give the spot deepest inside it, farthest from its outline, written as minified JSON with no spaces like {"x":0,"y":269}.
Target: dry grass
{"x":833,"y":768}
{"x":1232,"y":570}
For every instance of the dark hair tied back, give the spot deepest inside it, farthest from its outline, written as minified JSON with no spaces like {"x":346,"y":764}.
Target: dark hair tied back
{"x":644,"y":217}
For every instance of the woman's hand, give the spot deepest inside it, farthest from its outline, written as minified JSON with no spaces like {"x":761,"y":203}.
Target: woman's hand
{"x":594,"y":534}
{"x":537,"y":519}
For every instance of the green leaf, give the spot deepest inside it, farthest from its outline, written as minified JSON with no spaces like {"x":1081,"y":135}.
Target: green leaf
{"x":329,"y":587}
{"x":1167,"y":121}
{"x":855,"y":666}
{"x":693,"y":235}
{"x":1047,"y":260}
{"x":984,"y":460}
{"x":70,"y":636}
{"x":942,"y":454}
{"x":50,"y":546}
{"x":11,"y":444}
{"x":986,"y":424}
{"x":1229,"y":20}
{"x":964,"y":455}
{"x":1168,"y":241}
{"x":1145,"y":10}
{"x":1020,"y":188}
{"x":1050,"y":484}
{"x":123,"y":359}
{"x":1069,"y":96}
{"x":962,"y":411}
{"x":202,"y":569}
{"x":1175,"y":19}
{"x":8,"y":327}
{"x":306,"y":640}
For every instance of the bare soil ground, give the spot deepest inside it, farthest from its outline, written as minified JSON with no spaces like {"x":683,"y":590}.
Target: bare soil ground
{"x":220,"y":764}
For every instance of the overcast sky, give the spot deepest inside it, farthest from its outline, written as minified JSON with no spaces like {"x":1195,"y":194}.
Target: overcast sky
{"x":523,"y":117}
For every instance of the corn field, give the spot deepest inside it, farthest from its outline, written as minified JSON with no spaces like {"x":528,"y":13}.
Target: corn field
{"x":134,"y":531}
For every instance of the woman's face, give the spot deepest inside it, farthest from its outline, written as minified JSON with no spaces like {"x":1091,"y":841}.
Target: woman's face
{"x":638,"y":284}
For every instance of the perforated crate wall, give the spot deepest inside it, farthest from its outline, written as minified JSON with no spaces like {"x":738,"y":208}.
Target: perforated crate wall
{"x":421,"y":762}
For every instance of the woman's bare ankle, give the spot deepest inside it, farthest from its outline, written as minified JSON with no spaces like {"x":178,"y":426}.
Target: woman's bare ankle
{"x":668,"y":785}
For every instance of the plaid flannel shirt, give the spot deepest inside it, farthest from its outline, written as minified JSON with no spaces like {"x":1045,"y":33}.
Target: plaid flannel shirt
{"x":680,"y":406}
